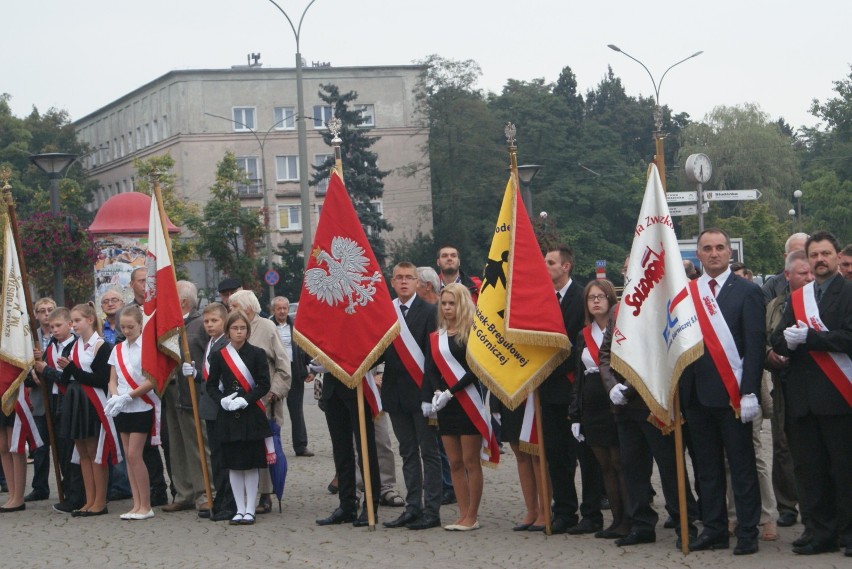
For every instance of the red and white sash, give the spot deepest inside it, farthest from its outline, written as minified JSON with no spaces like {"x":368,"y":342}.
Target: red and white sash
{"x":51,"y":356}
{"x":528,"y":441}
{"x":471,"y":401}
{"x":123,"y":373}
{"x":593,"y":336}
{"x":108,"y":447}
{"x":372,"y":395}
{"x":238,"y":367}
{"x":836,"y":366}
{"x":409,"y":351}
{"x":24,"y":430}
{"x":205,"y":367}
{"x":718,"y":339}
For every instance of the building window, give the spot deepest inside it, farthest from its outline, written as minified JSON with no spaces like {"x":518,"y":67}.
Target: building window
{"x":155,"y":132}
{"x":244,"y":118}
{"x":250,"y":165}
{"x":147,"y":131}
{"x":323,"y":161}
{"x":322,"y":114}
{"x":114,"y":148}
{"x":286,"y":168}
{"x":368,"y":115}
{"x":130,"y":142}
{"x":165,"y":127}
{"x":289,"y":218}
{"x":139,"y":137}
{"x":285,"y":118}
{"x":378,"y":207}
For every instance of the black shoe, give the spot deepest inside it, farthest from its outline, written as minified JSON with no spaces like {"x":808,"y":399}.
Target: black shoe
{"x":332,"y":488}
{"x":787,"y":519}
{"x":403,"y":520}
{"x":264,"y":505}
{"x":521,"y":527}
{"x":705,"y":542}
{"x":534,"y":527}
{"x":34,"y":497}
{"x":362,"y":521}
{"x":338,"y":516}
{"x":634,"y":538}
{"x":848,"y":552}
{"x":304,"y":452}
{"x":562,"y":525}
{"x":814,"y":548}
{"x":604,"y":503}
{"x":66,"y":507}
{"x":159,"y":499}
{"x":693,"y":534}
{"x":204,"y":514}
{"x":449,"y":498}
{"x":223,"y":516}
{"x":610,"y":533}
{"x":425,"y":522}
{"x":585,"y":526}
{"x":670,"y":523}
{"x":804,"y":539}
{"x":746,"y":546}
{"x":20,"y":508}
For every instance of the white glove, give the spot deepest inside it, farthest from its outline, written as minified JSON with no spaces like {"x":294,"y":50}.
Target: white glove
{"x":796,"y":335}
{"x":442,"y":399}
{"x":109,"y":405}
{"x":749,"y":408}
{"x":426,"y":408}
{"x":316,"y":367}
{"x":119,"y":402}
{"x":226,"y":401}
{"x":238,"y":403}
{"x":575,"y":430}
{"x":616,"y":394}
{"x":188,"y":370}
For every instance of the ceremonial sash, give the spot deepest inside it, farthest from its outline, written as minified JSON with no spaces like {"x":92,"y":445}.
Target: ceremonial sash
{"x":150,"y":398}
{"x":593,"y":336}
{"x":238,"y":367}
{"x":836,"y":366}
{"x":528,"y":440}
{"x":372,"y":395}
{"x":205,"y":367}
{"x":108,"y":447}
{"x":409,"y":351}
{"x":718,"y":340}
{"x":24,"y":430}
{"x":469,"y":398}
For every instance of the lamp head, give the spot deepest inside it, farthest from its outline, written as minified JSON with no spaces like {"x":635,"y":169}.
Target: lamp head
{"x":614,"y":47}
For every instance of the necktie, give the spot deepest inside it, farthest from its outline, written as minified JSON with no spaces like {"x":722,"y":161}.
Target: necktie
{"x":558,"y":297}
{"x":713,"y":284}
{"x":85,"y":346}
{"x":818,"y":292}
{"x":404,"y":310}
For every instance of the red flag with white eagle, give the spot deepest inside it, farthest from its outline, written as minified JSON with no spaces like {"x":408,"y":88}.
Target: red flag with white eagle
{"x":346,"y":317}
{"x":162,"y":316}
{"x":16,"y":344}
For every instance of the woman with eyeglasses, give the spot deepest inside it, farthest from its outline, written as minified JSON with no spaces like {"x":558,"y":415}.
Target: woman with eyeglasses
{"x":238,"y":379}
{"x":592,"y":420}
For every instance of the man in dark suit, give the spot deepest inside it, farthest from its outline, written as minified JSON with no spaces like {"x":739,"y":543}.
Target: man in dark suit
{"x":816,"y":334}
{"x":562,"y":449}
{"x":402,"y":399}
{"x":719,"y":394}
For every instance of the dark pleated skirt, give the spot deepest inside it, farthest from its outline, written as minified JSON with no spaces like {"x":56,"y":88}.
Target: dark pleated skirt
{"x":244,"y":455}
{"x":79,"y":419}
{"x":139,"y":422}
{"x":7,"y":420}
{"x":452,"y":420}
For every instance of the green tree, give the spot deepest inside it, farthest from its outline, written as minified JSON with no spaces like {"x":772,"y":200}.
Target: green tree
{"x":227,"y":232}
{"x":361,"y":174}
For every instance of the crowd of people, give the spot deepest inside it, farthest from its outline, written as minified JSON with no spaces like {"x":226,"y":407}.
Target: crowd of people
{"x":779,"y":352}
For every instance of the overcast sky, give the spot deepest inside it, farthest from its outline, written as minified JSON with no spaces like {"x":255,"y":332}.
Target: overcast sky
{"x":781,"y":54}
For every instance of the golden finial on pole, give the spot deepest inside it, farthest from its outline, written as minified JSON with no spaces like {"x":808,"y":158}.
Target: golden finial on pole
{"x":335,"y":125}
{"x":510,"y":131}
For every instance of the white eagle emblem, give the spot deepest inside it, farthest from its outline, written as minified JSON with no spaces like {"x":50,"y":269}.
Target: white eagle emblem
{"x":346,"y":278}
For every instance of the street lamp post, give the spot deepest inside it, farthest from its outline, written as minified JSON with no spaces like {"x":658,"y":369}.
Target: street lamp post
{"x":526,"y":173}
{"x":659,"y":135}
{"x":304,"y":191}
{"x":55,"y":164}
{"x":798,"y":195}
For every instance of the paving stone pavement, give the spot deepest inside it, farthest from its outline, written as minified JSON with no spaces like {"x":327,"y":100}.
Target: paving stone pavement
{"x":40,"y":537}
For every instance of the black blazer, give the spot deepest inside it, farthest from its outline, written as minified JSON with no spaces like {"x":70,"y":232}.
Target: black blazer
{"x":98,"y":377}
{"x":246,"y":424}
{"x":400,"y":393}
{"x":207,"y":408}
{"x":557,"y":389}
{"x":807,"y":389}
{"x":742,"y":305}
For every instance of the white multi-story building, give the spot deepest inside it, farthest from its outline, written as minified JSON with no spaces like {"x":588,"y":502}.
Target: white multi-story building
{"x":198,"y":115}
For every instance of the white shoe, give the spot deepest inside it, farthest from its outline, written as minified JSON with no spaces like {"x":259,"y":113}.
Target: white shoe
{"x":145,"y":516}
{"x":127,"y":516}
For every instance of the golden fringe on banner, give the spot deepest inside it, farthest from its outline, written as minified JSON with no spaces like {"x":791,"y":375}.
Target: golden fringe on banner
{"x":513,"y":401}
{"x":528,"y":448}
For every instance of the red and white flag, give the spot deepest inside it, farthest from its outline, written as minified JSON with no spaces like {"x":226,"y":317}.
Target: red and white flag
{"x":16,"y":342}
{"x":657,"y":333}
{"x":24,"y":431}
{"x":346,"y":317}
{"x":162,"y":317}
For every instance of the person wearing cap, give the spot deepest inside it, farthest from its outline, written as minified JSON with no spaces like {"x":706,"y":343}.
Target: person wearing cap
{"x":228,"y":287}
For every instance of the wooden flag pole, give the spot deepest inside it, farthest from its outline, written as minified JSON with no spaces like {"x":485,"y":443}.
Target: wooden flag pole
{"x":544,"y":481}
{"x":334,"y":126}
{"x":184,"y":347}
{"x":45,"y":394}
{"x":681,"y":478}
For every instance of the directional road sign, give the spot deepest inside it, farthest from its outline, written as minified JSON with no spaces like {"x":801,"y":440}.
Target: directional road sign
{"x":688,"y":209}
{"x":674,"y":197}
{"x":732,"y":195}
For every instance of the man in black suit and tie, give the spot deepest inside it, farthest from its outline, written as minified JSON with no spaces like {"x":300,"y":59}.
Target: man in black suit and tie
{"x":719,"y":394}
{"x":402,"y":399}
{"x":562,"y":449}
{"x":816,"y":335}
